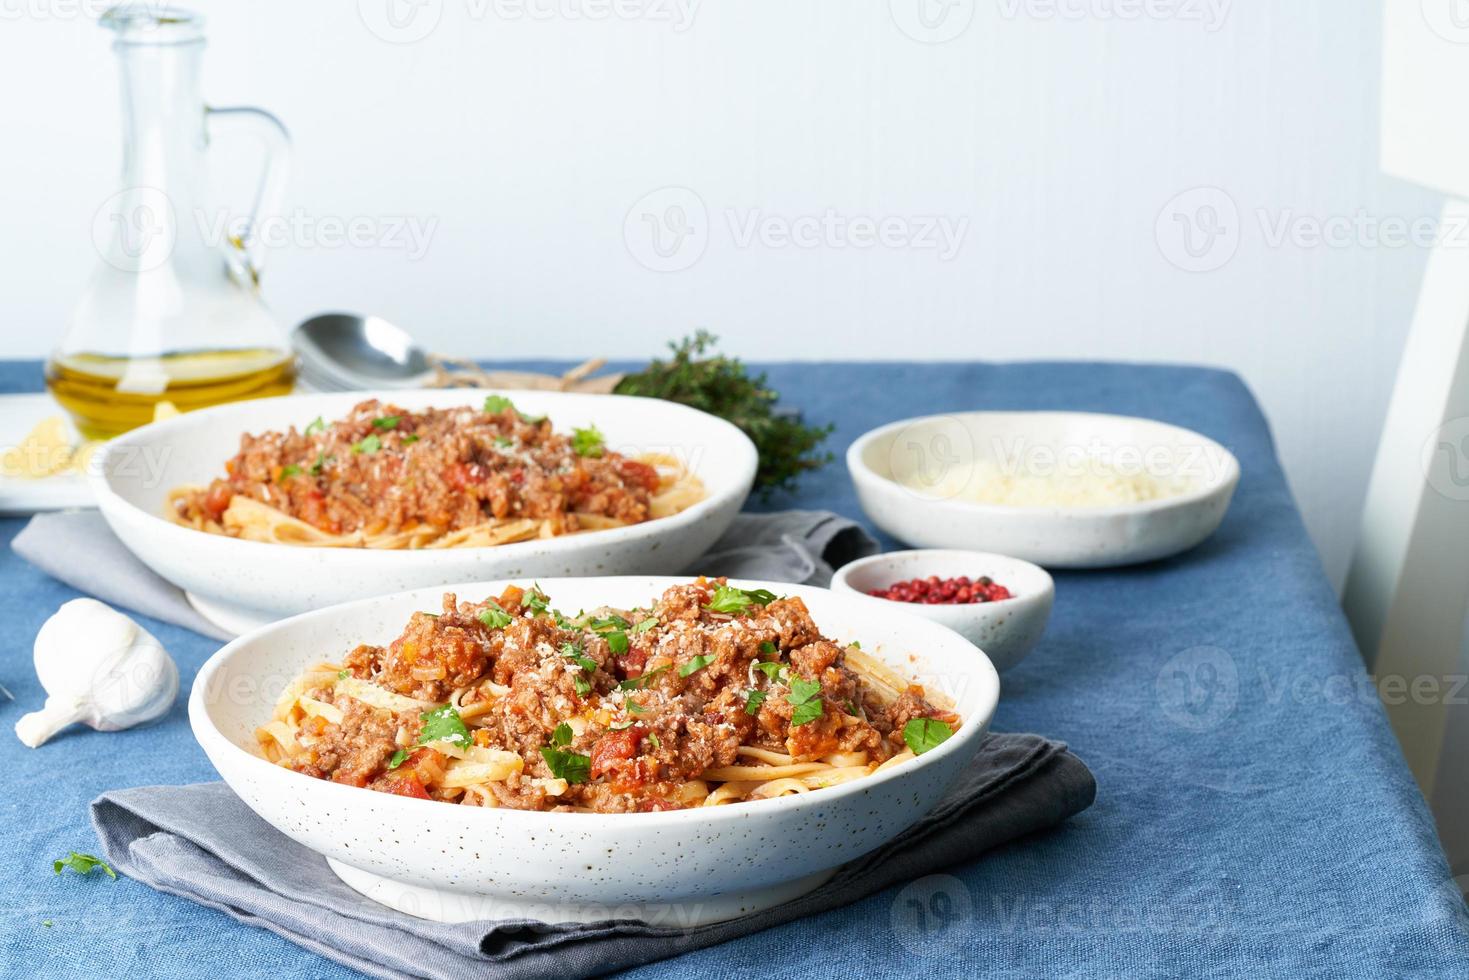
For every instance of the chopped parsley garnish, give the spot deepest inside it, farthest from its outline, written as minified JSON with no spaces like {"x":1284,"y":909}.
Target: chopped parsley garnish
{"x":657,"y":742}
{"x":368,"y":446}
{"x":803,"y":690}
{"x":531,"y":419}
{"x":288,"y":471}
{"x":578,"y":656}
{"x":399,"y":757}
{"x":494,"y":616}
{"x":561,"y":735}
{"x":495,"y":404}
{"x":536,"y":601}
{"x":614,"y":631}
{"x":321,"y":460}
{"x":753,"y":701}
{"x":805,"y":695}
{"x":504,"y":441}
{"x":646,"y":624}
{"x":83,"y":864}
{"x":588,"y":441}
{"x":444,"y":725}
{"x":923,"y":734}
{"x":410,"y":438}
{"x":570,"y":766}
{"x":387,"y":422}
{"x":807,"y":713}
{"x":728,"y":599}
{"x":635,"y":683}
{"x":769,"y":649}
{"x":341,"y":675}
{"x":317,"y":425}
{"x":770,"y":669}
{"x":634,"y":708}
{"x":698,"y":663}
{"x":622,"y":726}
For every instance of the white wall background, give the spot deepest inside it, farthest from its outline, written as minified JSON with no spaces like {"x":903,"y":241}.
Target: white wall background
{"x":1061,"y":142}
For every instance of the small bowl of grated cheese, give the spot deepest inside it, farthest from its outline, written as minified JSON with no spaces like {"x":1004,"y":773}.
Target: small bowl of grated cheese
{"x":1062,"y":489}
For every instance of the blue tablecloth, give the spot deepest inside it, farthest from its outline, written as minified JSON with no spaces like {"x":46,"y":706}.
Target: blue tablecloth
{"x":1254,"y":816}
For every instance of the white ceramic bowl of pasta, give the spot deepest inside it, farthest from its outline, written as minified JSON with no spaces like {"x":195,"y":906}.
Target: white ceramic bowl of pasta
{"x":683,"y":867}
{"x":241,"y":584}
{"x":1006,"y":630}
{"x":917,"y":480}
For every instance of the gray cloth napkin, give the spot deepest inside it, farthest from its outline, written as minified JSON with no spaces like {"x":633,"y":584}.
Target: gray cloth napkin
{"x":202,"y":843}
{"x":78,"y":548}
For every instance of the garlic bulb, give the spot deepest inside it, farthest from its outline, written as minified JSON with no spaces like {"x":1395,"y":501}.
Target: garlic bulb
{"x":99,"y":668}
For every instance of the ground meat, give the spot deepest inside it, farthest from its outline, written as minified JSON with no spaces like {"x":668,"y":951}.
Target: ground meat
{"x":384,"y":469}
{"x":794,"y":622}
{"x":353,"y":751}
{"x":436,"y":654}
{"x":616,"y":711}
{"x":364,"y":661}
{"x":909,"y":705}
{"x":685,"y":602}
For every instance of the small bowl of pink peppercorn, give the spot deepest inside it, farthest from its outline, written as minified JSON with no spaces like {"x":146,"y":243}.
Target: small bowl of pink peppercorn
{"x":998,"y":603}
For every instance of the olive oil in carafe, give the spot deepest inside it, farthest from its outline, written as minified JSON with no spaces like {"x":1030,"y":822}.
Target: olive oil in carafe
{"x":108,"y":395}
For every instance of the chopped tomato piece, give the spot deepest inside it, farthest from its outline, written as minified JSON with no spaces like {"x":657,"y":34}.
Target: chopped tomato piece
{"x":313,"y":511}
{"x":631,"y":664}
{"x":457,"y":475}
{"x":615,"y":747}
{"x":401,"y":785}
{"x":641,"y":474}
{"x":217,"y":500}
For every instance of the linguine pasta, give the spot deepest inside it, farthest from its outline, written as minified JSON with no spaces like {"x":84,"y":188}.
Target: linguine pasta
{"x":711,"y":695}
{"x":386,"y":478}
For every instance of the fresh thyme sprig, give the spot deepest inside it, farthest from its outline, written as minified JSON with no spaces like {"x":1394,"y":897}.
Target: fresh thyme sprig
{"x":697,"y":376}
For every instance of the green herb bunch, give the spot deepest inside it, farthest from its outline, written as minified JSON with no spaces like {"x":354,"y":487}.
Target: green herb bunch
{"x":701,"y":378}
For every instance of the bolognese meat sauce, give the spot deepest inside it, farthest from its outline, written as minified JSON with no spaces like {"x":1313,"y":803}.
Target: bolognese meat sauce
{"x":611,"y":710}
{"x":383,"y":469}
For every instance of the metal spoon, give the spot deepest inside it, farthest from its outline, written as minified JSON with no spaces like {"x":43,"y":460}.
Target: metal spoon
{"x":347,"y":352}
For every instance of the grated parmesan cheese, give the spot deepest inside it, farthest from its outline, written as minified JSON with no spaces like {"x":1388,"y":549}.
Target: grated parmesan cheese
{"x":1091,"y":484}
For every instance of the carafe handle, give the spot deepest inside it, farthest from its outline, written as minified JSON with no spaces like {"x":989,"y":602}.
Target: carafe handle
{"x":271,"y":192}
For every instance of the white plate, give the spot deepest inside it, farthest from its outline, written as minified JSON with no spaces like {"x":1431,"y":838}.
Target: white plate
{"x":19,"y":414}
{"x":940,"y":451}
{"x":241,"y":584}
{"x":681,"y":868}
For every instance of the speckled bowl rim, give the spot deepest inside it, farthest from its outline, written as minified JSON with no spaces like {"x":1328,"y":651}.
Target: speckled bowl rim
{"x":864,"y":474}
{"x":976,"y":724}
{"x":99,"y":478}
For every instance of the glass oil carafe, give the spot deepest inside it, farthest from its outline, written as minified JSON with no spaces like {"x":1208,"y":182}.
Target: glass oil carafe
{"x":173,"y":312}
